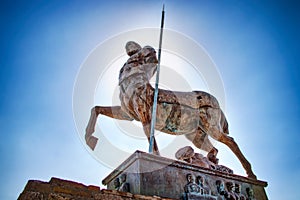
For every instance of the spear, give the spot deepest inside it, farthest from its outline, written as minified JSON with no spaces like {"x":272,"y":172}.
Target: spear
{"x":153,"y":118}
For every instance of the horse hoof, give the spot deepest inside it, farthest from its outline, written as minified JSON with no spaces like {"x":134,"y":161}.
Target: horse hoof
{"x":92,"y":142}
{"x":156,"y":153}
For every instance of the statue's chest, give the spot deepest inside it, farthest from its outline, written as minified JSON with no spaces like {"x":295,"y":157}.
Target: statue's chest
{"x":136,"y":98}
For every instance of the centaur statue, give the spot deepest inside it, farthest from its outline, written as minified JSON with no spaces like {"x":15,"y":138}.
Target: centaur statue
{"x":195,"y":114}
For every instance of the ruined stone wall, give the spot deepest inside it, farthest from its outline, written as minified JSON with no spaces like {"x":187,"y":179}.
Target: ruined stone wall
{"x":58,"y":189}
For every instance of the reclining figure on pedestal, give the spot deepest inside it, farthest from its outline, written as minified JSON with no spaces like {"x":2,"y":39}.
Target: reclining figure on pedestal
{"x":195,"y":114}
{"x":188,"y":155}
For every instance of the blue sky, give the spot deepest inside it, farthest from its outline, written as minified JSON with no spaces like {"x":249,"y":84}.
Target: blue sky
{"x":254,"y":44}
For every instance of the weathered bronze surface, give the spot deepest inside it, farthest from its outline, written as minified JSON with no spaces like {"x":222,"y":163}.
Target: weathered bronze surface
{"x":196,"y":114}
{"x":149,"y":174}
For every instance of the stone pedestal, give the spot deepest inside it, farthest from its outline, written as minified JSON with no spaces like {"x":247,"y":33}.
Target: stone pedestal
{"x":152,"y":175}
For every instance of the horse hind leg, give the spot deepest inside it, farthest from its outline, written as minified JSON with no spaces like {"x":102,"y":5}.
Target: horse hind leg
{"x":218,"y":129}
{"x":114,"y":112}
{"x":229,"y":141}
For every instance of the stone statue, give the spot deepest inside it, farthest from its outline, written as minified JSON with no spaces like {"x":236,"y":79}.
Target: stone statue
{"x":196,"y":189}
{"x":195,"y":114}
{"x":250,"y":194}
{"x":220,"y":187}
{"x":188,"y":155}
{"x":230,"y":195}
{"x":232,"y":191}
{"x":191,"y":186}
{"x":117,"y":184}
{"x":238,"y":192}
{"x":124,"y":187}
{"x":203,"y":188}
{"x":120,"y":184}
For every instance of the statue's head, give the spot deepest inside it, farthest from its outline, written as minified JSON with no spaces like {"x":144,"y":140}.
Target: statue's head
{"x":132,"y":48}
{"x":185,"y":154}
{"x":250,"y":192}
{"x":230,"y":186}
{"x":123,"y":178}
{"x":190,"y":178}
{"x":238,"y":188}
{"x":117,"y":183}
{"x":220,"y":187}
{"x":200,"y":180}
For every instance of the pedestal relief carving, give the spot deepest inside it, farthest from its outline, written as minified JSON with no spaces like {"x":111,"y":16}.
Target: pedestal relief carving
{"x":250,"y":194}
{"x":233,"y":191}
{"x":191,"y":186}
{"x":124,"y":187}
{"x":116,"y":184}
{"x":196,"y":189}
{"x":203,"y":188}
{"x":238,"y":192}
{"x":120,"y":184}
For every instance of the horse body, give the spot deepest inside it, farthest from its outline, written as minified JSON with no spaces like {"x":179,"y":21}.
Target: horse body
{"x":195,"y":114}
{"x":172,"y":118}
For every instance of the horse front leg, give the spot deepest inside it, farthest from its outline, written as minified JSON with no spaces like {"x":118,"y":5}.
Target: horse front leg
{"x":144,"y":112}
{"x":114,"y":112}
{"x":142,"y":107}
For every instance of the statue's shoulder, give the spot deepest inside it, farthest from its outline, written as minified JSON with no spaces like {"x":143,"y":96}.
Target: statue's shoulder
{"x":146,"y":50}
{"x":149,"y":48}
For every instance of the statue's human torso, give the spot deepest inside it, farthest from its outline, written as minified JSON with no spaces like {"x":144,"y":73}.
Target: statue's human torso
{"x":177,"y":112}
